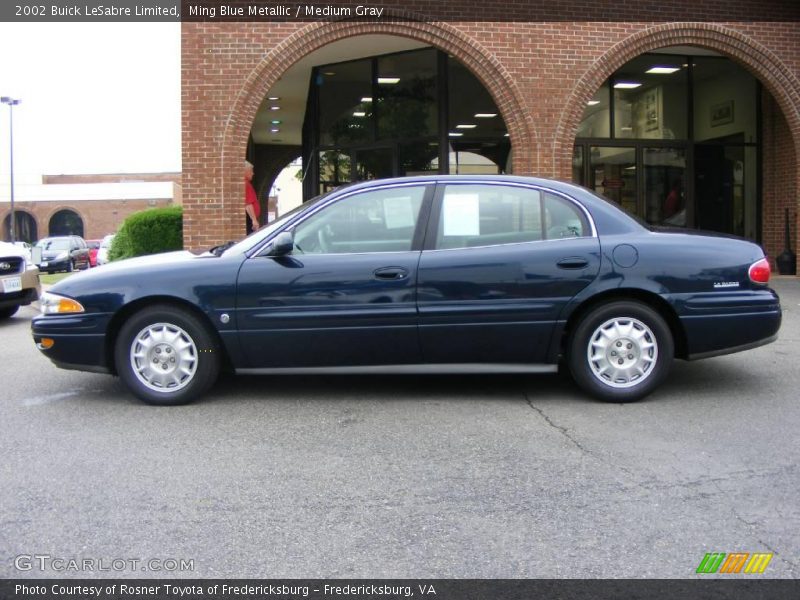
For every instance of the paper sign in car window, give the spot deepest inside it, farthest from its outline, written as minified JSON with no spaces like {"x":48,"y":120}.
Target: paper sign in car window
{"x":461,"y":214}
{"x":398,"y":213}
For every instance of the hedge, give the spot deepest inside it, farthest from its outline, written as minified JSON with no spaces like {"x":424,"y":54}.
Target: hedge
{"x":149,"y":232}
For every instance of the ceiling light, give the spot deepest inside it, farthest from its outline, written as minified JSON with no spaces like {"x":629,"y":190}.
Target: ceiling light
{"x":662,"y":70}
{"x":274,"y":130}
{"x":359,"y":114}
{"x":275,"y":122}
{"x":593,"y":103}
{"x":329,"y":73}
{"x":485,"y":115}
{"x":454,"y":134}
{"x":627,"y":85}
{"x":273,"y":98}
{"x":466,"y":126}
{"x":366,"y":99}
{"x":388,"y":80}
{"x":274,"y":107}
{"x":505,"y":135}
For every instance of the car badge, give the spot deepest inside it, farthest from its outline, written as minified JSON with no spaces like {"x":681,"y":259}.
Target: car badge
{"x":725,"y":284}
{"x":5,"y":266}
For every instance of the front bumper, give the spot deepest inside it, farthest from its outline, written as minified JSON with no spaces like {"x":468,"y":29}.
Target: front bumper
{"x":51,"y":266}
{"x":79,"y":340}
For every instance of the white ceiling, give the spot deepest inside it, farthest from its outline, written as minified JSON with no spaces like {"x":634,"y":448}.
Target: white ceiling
{"x":292,"y":87}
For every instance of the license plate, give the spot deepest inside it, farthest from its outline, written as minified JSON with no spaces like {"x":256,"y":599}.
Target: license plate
{"x":12,"y":284}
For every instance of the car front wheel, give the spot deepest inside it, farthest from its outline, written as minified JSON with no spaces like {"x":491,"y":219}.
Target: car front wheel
{"x":621,"y":351}
{"x":166,"y":356}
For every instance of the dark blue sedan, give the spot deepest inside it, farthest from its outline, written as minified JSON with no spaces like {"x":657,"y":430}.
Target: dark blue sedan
{"x":427,"y":274}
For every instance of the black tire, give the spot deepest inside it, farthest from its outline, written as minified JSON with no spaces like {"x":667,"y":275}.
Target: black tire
{"x":202,"y":358}
{"x":623,"y":332}
{"x":7,"y":313}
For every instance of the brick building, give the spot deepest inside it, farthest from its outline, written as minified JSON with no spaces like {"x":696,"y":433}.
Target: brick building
{"x":686,"y":112}
{"x":89,"y":205}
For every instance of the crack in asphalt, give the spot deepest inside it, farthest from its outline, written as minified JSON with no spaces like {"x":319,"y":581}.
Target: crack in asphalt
{"x":584,"y":450}
{"x":564,"y":431}
{"x":753,"y":526}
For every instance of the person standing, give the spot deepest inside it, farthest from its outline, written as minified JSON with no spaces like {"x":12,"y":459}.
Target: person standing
{"x":252,"y":208}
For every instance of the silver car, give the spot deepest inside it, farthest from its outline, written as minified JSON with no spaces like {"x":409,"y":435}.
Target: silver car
{"x":105,"y":246}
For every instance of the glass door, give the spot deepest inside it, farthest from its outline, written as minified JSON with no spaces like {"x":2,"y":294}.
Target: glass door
{"x":664,"y":186}
{"x":612,"y":173}
{"x":374,"y":163}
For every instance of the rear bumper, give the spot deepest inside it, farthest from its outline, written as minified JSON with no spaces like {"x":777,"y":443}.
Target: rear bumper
{"x":718,"y":324}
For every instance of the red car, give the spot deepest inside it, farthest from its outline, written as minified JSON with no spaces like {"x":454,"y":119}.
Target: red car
{"x":94,"y":246}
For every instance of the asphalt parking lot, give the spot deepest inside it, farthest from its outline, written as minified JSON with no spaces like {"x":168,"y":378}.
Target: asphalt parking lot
{"x":436,"y":476}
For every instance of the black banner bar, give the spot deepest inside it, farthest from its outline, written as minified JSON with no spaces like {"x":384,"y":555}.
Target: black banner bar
{"x":738,"y":587}
{"x":381,"y":10}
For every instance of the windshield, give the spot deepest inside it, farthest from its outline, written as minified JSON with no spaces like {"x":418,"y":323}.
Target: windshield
{"x":53,"y":244}
{"x":255,"y":237}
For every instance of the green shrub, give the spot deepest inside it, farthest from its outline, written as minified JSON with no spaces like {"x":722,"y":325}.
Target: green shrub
{"x":149,"y":232}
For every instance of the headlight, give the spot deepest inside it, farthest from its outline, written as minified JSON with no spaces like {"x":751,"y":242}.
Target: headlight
{"x":53,"y":304}
{"x":62,"y":255}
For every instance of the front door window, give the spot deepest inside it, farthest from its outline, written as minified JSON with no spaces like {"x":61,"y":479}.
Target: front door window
{"x":377,"y":221}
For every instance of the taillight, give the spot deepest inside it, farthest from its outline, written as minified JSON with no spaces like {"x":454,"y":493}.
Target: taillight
{"x":759,"y":271}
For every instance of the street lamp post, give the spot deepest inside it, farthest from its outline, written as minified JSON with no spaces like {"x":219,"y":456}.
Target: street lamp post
{"x":12,"y":102}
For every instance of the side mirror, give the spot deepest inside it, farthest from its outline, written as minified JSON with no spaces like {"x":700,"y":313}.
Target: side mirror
{"x":36,"y":255}
{"x":282,"y":245}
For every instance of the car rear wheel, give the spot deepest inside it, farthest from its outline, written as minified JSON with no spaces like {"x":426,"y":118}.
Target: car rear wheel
{"x":70,"y":266}
{"x":621,"y":351}
{"x":166,"y":356}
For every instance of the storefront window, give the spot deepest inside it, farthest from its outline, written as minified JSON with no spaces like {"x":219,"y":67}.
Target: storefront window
{"x":596,"y":120}
{"x":406,"y":99}
{"x":650,"y":98}
{"x":402,"y":114}
{"x":724,"y":101}
{"x":345,"y":92}
{"x":688,"y":160}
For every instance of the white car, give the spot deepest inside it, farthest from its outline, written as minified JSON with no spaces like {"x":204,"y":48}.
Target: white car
{"x":105,"y":246}
{"x":19,"y":279}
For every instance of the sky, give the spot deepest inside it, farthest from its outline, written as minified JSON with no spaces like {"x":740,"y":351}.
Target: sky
{"x":96,"y":98}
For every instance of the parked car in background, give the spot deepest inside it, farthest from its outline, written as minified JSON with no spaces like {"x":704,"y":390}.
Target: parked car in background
{"x":63,"y":253}
{"x":26,"y":248}
{"x":463,"y":274}
{"x":105,"y":246}
{"x":94,"y":247}
{"x":19,"y":279}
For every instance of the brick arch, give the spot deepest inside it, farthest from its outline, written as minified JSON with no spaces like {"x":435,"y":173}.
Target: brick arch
{"x":759,"y":60}
{"x":6,"y":215}
{"x":52,"y":212}
{"x":279,"y":59}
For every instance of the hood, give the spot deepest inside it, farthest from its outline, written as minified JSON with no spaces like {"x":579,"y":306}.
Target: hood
{"x":129,"y":270}
{"x":7,"y":250}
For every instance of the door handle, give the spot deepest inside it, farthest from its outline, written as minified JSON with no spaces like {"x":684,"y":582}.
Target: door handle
{"x":390,"y":273}
{"x":573,"y":262}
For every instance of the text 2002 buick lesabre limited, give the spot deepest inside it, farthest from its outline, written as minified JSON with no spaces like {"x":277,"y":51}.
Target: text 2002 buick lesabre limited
{"x":421,"y":274}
